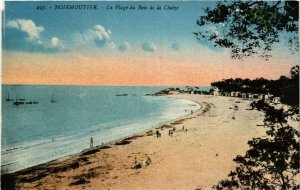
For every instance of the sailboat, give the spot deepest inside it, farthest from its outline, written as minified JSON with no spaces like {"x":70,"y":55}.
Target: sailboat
{"x":8,"y":99}
{"x":52,"y":99}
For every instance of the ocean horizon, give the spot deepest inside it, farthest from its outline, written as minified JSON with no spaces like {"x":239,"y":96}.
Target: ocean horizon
{"x":64,"y":118}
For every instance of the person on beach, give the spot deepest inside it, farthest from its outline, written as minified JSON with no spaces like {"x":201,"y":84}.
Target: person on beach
{"x":91,"y":143}
{"x":157,"y":134}
{"x":192,"y":112}
{"x":170,"y":132}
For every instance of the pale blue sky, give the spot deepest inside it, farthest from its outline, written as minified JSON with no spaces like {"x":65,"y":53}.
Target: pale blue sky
{"x":105,"y":30}
{"x":164,"y":29}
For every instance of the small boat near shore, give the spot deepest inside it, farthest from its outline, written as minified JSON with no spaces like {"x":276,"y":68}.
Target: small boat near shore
{"x":121,"y":94}
{"x":52,"y":99}
{"x":18,"y":102}
{"x":21,"y":101}
{"x":8,"y":99}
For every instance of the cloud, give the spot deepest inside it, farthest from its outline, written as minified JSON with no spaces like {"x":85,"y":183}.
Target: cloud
{"x":27,"y":26}
{"x":176,"y":46}
{"x":24,"y":35}
{"x":55,"y":42}
{"x":124,"y":47}
{"x":98,"y":35}
{"x":149,"y":47}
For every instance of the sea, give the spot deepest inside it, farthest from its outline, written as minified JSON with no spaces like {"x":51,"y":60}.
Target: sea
{"x":66,"y":117}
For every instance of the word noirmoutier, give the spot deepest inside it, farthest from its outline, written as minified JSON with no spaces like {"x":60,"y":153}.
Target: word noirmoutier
{"x":76,"y":7}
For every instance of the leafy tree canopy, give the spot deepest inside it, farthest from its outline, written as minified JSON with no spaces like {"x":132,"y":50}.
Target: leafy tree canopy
{"x":286,"y":87}
{"x":250,"y":27}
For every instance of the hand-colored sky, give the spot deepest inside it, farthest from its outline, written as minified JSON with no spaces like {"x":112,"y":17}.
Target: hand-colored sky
{"x":116,"y":47}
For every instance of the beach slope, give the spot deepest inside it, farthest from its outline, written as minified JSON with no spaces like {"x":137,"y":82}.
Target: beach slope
{"x":198,"y":154}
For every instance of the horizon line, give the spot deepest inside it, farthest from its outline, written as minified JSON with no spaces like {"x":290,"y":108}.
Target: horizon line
{"x":108,"y":85}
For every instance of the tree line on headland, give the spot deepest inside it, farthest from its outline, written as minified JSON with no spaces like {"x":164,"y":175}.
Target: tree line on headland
{"x":286,"y":87}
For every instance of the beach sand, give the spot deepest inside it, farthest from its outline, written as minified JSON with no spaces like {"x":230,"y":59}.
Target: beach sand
{"x":198,"y":157}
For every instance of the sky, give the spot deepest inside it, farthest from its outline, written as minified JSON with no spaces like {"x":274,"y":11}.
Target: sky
{"x":120,"y":47}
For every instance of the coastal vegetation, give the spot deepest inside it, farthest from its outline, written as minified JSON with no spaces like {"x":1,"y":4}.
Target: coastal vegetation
{"x":182,"y":90}
{"x":286,"y":87}
{"x":250,"y":27}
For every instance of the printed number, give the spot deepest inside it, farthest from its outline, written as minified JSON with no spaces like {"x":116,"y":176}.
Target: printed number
{"x":41,"y":8}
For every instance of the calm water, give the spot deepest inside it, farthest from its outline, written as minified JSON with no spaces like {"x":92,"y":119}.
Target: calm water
{"x":36,"y":133}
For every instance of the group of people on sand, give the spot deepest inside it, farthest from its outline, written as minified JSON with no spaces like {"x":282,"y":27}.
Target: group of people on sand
{"x":158,"y":134}
{"x":171,"y":132}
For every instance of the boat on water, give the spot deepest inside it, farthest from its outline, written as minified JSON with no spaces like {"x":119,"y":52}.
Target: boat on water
{"x":34,"y":101}
{"x":17,"y":102}
{"x":121,"y":94}
{"x":8,"y":99}
{"x":52,"y":99}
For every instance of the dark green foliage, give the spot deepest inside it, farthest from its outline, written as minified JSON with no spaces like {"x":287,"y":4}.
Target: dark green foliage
{"x":8,"y":182}
{"x":250,"y":27}
{"x":289,"y":91}
{"x":258,"y":85}
{"x":272,"y":162}
{"x":260,"y":105}
{"x":287,"y":88}
{"x":274,"y":116}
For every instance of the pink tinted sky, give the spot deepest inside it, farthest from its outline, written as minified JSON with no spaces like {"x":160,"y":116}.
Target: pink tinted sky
{"x":159,"y":69}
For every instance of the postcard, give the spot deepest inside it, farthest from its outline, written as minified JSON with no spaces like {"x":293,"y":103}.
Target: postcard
{"x":150,"y":95}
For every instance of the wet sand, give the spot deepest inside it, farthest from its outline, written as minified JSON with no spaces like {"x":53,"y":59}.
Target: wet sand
{"x":198,"y":156}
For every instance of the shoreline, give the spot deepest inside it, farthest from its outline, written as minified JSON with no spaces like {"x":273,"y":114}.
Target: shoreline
{"x":105,"y":145}
{"x":146,"y":141}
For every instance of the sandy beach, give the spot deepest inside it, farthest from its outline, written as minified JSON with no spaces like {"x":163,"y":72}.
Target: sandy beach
{"x":197,"y":156}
